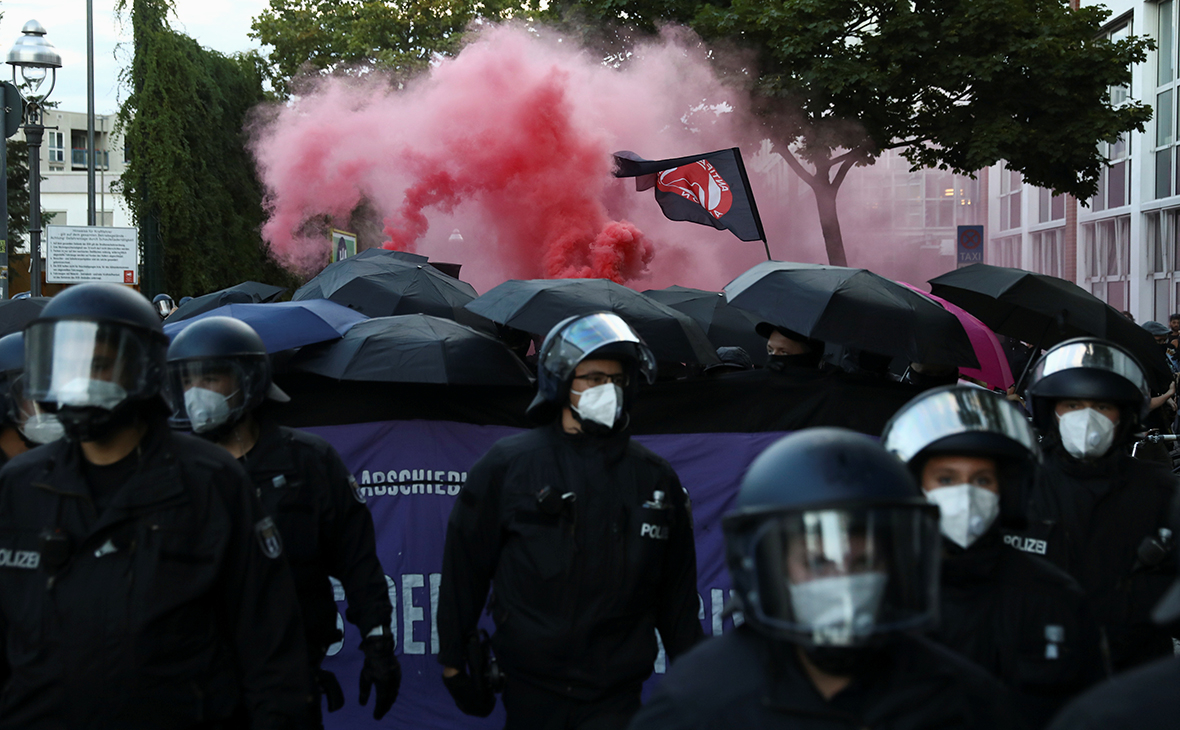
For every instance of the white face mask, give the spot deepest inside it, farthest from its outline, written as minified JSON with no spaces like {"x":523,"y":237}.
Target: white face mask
{"x":207,"y":409}
{"x":41,"y":428}
{"x":1086,"y":433}
{"x":966,"y":511}
{"x":839,"y":608}
{"x":602,"y":404}
{"x":84,"y":392}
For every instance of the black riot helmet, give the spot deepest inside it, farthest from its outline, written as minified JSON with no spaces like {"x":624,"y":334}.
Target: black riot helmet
{"x":1091,"y":369}
{"x":969,"y":421}
{"x":94,"y":356}
{"x":163,"y":305}
{"x":602,"y":335}
{"x":831,"y":544}
{"x":218,"y":371}
{"x":12,"y":364}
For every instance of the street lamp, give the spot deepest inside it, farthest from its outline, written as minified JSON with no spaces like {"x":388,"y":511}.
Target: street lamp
{"x":37,"y":59}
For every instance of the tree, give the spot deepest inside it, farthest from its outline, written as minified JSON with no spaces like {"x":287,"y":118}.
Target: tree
{"x":189,"y":182}
{"x":17,"y":159}
{"x":952,"y":84}
{"x":396,"y":36}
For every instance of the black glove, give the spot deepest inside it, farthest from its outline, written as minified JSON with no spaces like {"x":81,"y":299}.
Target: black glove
{"x":470,"y":698}
{"x":331,"y":689}
{"x":381,"y":669}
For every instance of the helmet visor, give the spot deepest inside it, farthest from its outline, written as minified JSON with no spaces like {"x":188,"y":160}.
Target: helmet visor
{"x":939,"y":414}
{"x":838,"y":577}
{"x":1094,"y":355}
{"x":582,"y":337}
{"x":85,"y":364}
{"x":205,"y":393}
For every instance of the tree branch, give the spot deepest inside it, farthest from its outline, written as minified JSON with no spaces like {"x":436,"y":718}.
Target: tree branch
{"x":794,"y":164}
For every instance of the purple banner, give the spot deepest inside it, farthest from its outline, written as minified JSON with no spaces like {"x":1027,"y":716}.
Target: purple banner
{"x":426,"y":462}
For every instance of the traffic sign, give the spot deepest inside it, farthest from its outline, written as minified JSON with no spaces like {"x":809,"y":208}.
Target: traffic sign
{"x":13,"y":107}
{"x":969,"y":245}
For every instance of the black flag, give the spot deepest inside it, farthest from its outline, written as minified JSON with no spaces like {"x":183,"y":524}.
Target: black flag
{"x":711,"y":189}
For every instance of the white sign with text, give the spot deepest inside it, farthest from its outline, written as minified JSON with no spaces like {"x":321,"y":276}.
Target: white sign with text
{"x":76,"y":254}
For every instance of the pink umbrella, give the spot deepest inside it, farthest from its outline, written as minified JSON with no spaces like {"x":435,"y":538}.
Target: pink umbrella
{"x":993,"y":364}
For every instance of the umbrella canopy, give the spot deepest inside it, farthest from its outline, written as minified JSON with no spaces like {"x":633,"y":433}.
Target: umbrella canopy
{"x":415,"y":348}
{"x":213,"y":300}
{"x":855,"y":308}
{"x":283,"y":325}
{"x":536,"y":305}
{"x":261,"y":292}
{"x":725,"y":326}
{"x":1044,"y":310}
{"x":377,"y":253}
{"x":993,"y":363}
{"x":381,"y":285}
{"x":16,"y":313}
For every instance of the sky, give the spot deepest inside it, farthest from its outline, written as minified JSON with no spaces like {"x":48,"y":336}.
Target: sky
{"x":218,"y":24}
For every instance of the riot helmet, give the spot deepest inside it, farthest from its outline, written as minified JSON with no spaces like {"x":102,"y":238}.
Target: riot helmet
{"x":962,"y":421}
{"x":163,"y":305}
{"x":36,"y":425}
{"x":12,"y":364}
{"x":831,"y":545}
{"x":1087,"y":368}
{"x":218,"y":371}
{"x":94,"y":356}
{"x":603,"y":335}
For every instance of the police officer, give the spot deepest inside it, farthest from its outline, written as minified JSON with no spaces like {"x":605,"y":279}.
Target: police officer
{"x":1095,"y":512}
{"x":1026,"y":621}
{"x":1144,"y":698}
{"x":833,"y":553}
{"x":23,"y":424}
{"x":141,"y":586}
{"x":585,"y":538}
{"x":164,"y":305}
{"x":218,"y":379}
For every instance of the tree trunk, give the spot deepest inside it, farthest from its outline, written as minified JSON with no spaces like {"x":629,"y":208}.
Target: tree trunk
{"x":829,"y":222}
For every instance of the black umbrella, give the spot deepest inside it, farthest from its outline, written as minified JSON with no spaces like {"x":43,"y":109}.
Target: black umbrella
{"x":414,"y":348}
{"x":855,"y":308}
{"x":724,"y":325}
{"x":536,"y":305}
{"x":382,"y":286}
{"x":1044,"y":310}
{"x":261,"y":292}
{"x":16,"y":313}
{"x":377,"y":253}
{"x":204,"y":303}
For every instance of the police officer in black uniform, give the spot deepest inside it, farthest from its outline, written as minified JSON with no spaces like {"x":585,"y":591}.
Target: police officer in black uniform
{"x":585,"y":538}
{"x":1018,"y":616}
{"x":218,"y":378}
{"x":23,"y":424}
{"x":834,"y":557}
{"x":1095,"y":512}
{"x":141,"y":586}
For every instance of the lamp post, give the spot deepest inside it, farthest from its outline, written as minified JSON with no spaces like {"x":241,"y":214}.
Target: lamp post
{"x":36,"y":58}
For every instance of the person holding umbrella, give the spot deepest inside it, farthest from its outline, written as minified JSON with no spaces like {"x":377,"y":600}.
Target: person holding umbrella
{"x":789,"y":351}
{"x":585,"y":537}
{"x":217,"y":383}
{"x":1018,"y":616}
{"x":1096,"y":512}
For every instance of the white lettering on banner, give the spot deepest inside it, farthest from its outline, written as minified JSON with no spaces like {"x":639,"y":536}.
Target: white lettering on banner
{"x":407,"y":482}
{"x":435,"y":579}
{"x":1027,"y":544}
{"x":27,"y":559}
{"x":411,"y":614}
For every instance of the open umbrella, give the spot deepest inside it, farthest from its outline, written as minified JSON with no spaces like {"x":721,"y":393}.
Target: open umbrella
{"x":1043,"y":310}
{"x":414,"y":348}
{"x":535,"y":305}
{"x":993,"y":364}
{"x":248,"y":292}
{"x":16,"y":313}
{"x":855,"y":308}
{"x":261,"y":292}
{"x":283,"y":325}
{"x":725,"y":326}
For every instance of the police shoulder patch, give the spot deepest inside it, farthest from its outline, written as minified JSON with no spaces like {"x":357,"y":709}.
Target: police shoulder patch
{"x":268,"y":538}
{"x":356,"y":489}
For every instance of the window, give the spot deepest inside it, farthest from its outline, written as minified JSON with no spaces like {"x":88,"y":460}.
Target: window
{"x":1048,"y":248}
{"x":1114,"y":180}
{"x":56,"y":145}
{"x":1165,"y":101}
{"x":1010,"y":184}
{"x":1006,"y":252}
{"x":1107,"y":245}
{"x":1051,"y":207}
{"x":1162,"y":230}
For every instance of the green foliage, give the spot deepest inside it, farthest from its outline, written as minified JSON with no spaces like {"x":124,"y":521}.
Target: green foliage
{"x":17,"y":158}
{"x":190,"y":182}
{"x":333,"y":35}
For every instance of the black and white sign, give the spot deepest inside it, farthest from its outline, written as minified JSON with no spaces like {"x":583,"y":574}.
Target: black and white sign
{"x":77,"y":254}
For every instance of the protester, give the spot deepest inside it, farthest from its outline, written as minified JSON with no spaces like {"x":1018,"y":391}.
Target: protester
{"x":1142,"y":699}
{"x":140,"y":584}
{"x":1095,"y":512}
{"x":833,"y":554}
{"x":1016,"y":615}
{"x":1161,"y":334}
{"x":218,"y":381}
{"x":926,"y":376}
{"x":789,"y":351}
{"x":732,"y":360}
{"x":587,"y":537}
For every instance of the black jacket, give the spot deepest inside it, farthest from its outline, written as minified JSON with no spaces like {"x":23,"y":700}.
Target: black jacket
{"x":1089,"y":519}
{"x":1022,"y":619}
{"x":1143,"y":699}
{"x":744,"y":681}
{"x":326,"y":528}
{"x":167,"y":609}
{"x":580,"y":584}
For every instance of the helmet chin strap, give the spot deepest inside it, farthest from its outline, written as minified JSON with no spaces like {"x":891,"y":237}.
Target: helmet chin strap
{"x":89,"y":423}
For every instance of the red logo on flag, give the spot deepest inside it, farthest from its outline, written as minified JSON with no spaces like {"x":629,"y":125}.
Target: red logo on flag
{"x":699,"y":182}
